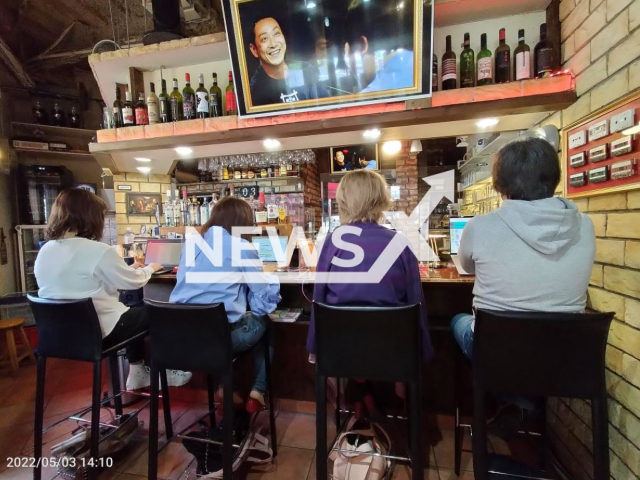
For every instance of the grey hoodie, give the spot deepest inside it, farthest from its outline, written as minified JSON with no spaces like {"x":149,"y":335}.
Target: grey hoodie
{"x":530,"y":256}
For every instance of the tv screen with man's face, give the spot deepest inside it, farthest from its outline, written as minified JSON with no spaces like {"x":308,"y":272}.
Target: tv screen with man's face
{"x":305,"y":55}
{"x":354,"y":157}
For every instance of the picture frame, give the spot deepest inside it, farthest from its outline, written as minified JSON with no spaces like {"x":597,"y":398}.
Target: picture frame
{"x":296,"y":56}
{"x":143,"y":203}
{"x":347,"y":158}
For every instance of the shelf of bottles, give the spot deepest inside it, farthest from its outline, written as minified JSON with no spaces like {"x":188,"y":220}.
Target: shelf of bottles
{"x":481,"y":201}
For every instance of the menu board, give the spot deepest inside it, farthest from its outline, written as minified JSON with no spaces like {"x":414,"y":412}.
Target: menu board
{"x":599,"y":158}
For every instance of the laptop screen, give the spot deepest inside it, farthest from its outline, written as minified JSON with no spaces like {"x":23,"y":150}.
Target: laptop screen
{"x":166,"y":253}
{"x":265,"y":249}
{"x":456,"y":225}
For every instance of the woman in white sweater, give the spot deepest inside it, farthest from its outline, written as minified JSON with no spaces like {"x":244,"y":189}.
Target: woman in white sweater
{"x":74,"y":264}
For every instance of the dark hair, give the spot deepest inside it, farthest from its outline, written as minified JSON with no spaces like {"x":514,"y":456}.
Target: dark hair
{"x":79,"y":211}
{"x":526,"y":169}
{"x":228,"y":213}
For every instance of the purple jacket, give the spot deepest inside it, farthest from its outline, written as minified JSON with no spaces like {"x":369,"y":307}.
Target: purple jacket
{"x":400,"y":285}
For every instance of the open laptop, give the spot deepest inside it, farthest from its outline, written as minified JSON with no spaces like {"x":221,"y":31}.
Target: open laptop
{"x":165,"y":252}
{"x":265,"y":249}
{"x":456,"y":225}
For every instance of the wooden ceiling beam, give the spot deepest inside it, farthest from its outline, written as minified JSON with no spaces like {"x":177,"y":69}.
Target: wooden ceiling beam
{"x":14,"y":65}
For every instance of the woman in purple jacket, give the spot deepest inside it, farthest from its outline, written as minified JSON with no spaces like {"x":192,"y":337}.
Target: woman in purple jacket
{"x":362,"y":197}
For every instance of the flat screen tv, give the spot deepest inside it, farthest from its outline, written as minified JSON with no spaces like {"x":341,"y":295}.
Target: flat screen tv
{"x":301,"y":55}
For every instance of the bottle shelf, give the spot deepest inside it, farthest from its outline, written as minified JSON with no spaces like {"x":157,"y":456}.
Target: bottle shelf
{"x":55,"y":130}
{"x":248,"y":180}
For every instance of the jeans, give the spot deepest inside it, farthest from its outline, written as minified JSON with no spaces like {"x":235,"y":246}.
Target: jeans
{"x":131,"y":322}
{"x":246,"y":333}
{"x":462,"y":332}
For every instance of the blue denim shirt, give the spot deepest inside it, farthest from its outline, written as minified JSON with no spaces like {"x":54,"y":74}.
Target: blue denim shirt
{"x":262,"y":298}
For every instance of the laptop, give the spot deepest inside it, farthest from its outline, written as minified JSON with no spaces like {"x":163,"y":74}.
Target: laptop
{"x":165,"y":252}
{"x":266,"y":251}
{"x":456,"y":225}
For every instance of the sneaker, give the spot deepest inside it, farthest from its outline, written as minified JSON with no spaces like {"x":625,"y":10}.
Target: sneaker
{"x":178,"y":378}
{"x":256,"y":402}
{"x":139,"y":377}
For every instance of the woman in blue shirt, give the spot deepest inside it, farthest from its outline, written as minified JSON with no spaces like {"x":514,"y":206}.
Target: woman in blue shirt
{"x":236,"y":279}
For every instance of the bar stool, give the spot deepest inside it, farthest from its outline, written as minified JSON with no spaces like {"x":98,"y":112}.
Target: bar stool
{"x":541,"y":354}
{"x":11,"y":327}
{"x":375,"y":343}
{"x":195,"y":338}
{"x":70,"y":330}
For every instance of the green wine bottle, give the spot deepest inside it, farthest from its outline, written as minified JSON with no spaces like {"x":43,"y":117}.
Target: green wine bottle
{"x":467,"y":64}
{"x":215,"y":98}
{"x":176,"y":102}
{"x":522,"y":59}
{"x":485,"y":63}
{"x":449,"y":70}
{"x":188,"y":99}
{"x":503,"y":60}
{"x":202,"y":99}
{"x":164,"y":105}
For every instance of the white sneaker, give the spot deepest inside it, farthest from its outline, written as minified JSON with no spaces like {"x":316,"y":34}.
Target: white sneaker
{"x":178,"y":378}
{"x":139,"y":377}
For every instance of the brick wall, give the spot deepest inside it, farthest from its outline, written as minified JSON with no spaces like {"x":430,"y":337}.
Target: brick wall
{"x":601,"y":44}
{"x":312,"y":194}
{"x":407,"y":178}
{"x":139,"y":182}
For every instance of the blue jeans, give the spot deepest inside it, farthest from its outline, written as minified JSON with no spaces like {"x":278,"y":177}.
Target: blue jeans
{"x":462,"y":332}
{"x":246,"y":333}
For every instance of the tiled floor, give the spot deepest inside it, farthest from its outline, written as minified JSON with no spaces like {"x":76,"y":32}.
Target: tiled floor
{"x":68,"y":389}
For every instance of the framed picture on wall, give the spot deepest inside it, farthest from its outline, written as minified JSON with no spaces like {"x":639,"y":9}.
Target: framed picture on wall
{"x":143,"y":203}
{"x":354,"y":157}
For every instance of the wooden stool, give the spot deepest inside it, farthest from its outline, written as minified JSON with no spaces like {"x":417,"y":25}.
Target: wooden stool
{"x":11,"y":357}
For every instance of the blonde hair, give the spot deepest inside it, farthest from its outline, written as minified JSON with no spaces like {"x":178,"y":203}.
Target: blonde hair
{"x":362,"y":197}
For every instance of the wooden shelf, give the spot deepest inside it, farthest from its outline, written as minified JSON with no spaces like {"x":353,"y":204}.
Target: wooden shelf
{"x":56,"y":153}
{"x":54,"y":130}
{"x":245,"y":180}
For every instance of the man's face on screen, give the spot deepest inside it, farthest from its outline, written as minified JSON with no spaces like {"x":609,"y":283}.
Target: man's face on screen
{"x":269,"y":43}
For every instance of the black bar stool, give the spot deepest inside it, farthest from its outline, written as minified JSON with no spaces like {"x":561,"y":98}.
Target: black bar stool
{"x":545,"y":355}
{"x":69,"y":329}
{"x":375,"y":343}
{"x":195,"y":338}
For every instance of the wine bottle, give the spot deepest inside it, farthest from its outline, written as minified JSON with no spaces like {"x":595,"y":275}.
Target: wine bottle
{"x":543,"y":55}
{"x":164,"y":104}
{"x":230,"y":97}
{"x":467,"y":64}
{"x":176,"y":102}
{"x":152,"y":105}
{"x":40,"y":115}
{"x":503,"y":60}
{"x":117,"y":110}
{"x":188,"y":99}
{"x":215,"y":98}
{"x":202,"y":99}
{"x":485,"y":63}
{"x":58,"y":116}
{"x":522,"y":56}
{"x":449,"y":71}
{"x":434,"y":74}
{"x":74,"y":118}
{"x":128,"y":113}
{"x":142,"y":114}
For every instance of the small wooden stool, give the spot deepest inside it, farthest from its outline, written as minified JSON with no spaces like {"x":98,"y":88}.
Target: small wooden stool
{"x":11,"y":357}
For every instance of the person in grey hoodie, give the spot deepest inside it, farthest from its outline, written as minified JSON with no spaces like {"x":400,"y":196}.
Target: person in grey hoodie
{"x":535,"y":253}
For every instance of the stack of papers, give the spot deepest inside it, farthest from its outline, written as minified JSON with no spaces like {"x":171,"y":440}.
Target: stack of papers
{"x":285,"y":315}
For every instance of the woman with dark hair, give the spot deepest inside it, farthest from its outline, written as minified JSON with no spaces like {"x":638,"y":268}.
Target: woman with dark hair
{"x":74,"y":264}
{"x":237,"y":281}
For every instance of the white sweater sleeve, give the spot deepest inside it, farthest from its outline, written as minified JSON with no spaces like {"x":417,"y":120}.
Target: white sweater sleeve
{"x":116,"y":274}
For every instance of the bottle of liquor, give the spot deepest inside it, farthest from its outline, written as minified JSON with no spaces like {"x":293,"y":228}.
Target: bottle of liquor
{"x":271,"y":171}
{"x":152,"y":106}
{"x":245,"y":173}
{"x":74,"y":118}
{"x":177,"y":211}
{"x":503,"y":60}
{"x":142,"y":114}
{"x":449,"y":70}
{"x":215,"y":98}
{"x":544,"y":60}
{"x":230,"y":97}
{"x":237,"y":173}
{"x":272,"y":212}
{"x":522,"y":59}
{"x":202,"y":99}
{"x":164,"y":104}
{"x":283,"y":212}
{"x":58,"y":116}
{"x":434,"y":74}
{"x":176,"y":102}
{"x":485,"y":63}
{"x":188,"y":99}
{"x":117,"y":110}
{"x":184,"y":208}
{"x":467,"y":64}
{"x":261,"y":211}
{"x":168,"y":211}
{"x":40,"y":115}
{"x":225,"y":173}
{"x":204,"y":212}
{"x":128,"y":113}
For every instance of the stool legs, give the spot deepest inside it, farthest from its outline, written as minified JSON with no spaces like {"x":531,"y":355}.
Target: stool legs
{"x":211,"y":396}
{"x":115,"y":383}
{"x":337,"y":417}
{"x":13,"y":353}
{"x":27,"y":345}
{"x":153,"y":426}
{"x":600,"y":422}
{"x":458,"y":431}
{"x":272,"y":414}
{"x":39,"y":417}
{"x":166,"y":406}
{"x":227,"y":427}
{"x":95,"y":417}
{"x":321,"y":427}
{"x":479,"y":437}
{"x":417,"y":470}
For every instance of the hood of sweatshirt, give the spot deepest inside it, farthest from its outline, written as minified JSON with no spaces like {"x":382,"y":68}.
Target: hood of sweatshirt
{"x":548,"y":225}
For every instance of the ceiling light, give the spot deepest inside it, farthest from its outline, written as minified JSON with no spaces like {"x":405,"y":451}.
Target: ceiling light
{"x":183,"y":150}
{"x":144,"y":169}
{"x":392,"y":147}
{"x":271,"y":143}
{"x":416,"y":146}
{"x":632,"y":130}
{"x":311,"y":5}
{"x":372,"y":133}
{"x":487,"y":122}
{"x":143,"y":159}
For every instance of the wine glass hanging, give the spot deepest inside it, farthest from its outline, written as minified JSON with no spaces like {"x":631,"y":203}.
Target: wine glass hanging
{"x":253,"y":165}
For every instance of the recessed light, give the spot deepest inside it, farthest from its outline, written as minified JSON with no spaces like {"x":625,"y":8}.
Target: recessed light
{"x":392,"y":147}
{"x":487,"y":122}
{"x":372,"y":133}
{"x":144,"y":169}
{"x":183,"y":150}
{"x":632,"y":130}
{"x":271,"y":143}
{"x":143,"y":159}
{"x":311,"y":5}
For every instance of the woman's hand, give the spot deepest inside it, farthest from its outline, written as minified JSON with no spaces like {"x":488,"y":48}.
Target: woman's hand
{"x":156,"y":266}
{"x":137,"y":265}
